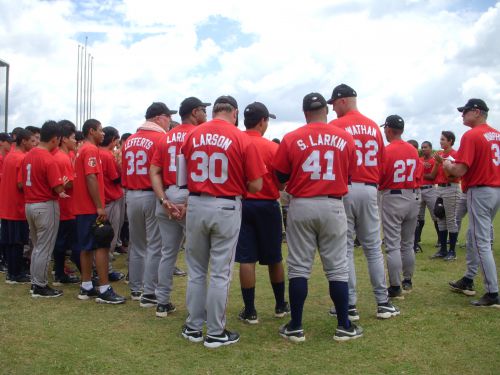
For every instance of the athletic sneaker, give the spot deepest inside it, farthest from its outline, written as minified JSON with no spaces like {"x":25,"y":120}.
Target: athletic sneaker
{"x":345,"y":334}
{"x":162,"y":310}
{"x":20,"y":279}
{"x":281,"y":311}
{"x":110,"y":297}
{"x":179,"y":272}
{"x":191,"y":334}
{"x":439,"y":255}
{"x":115,"y":276}
{"x":387,"y":310}
{"x":450,"y":256}
{"x":487,"y":301}
{"x":66,"y":279}
{"x":407,"y":285}
{"x":148,"y":300}
{"x":352,"y":312}
{"x":135,"y":295}
{"x":87,"y":294}
{"x":249,"y":317}
{"x":417,"y":248}
{"x":294,"y":335}
{"x":45,"y":292}
{"x":395,"y":292}
{"x":463,"y":286}
{"x":225,"y":338}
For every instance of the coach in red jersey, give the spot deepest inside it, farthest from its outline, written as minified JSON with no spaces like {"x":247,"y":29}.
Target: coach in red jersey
{"x":42,"y":183}
{"x":399,"y":206}
{"x":316,"y":161}
{"x":363,"y":219}
{"x":478,"y":163}
{"x":261,"y":225}
{"x":89,"y":208}
{"x":222,"y":164}
{"x":145,"y":252}
{"x":172,"y":199}
{"x":14,"y":225}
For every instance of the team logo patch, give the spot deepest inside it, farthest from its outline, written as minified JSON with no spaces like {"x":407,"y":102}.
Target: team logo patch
{"x":92,"y":161}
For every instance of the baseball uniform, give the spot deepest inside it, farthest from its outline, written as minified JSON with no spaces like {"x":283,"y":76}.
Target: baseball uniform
{"x":428,"y":196}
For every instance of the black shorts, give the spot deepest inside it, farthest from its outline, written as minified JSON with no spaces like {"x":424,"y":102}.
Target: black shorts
{"x":261,"y":232}
{"x":84,"y":235}
{"x":66,"y":235}
{"x":14,"y":232}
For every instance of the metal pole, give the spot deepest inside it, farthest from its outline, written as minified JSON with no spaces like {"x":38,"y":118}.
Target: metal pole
{"x":7,"y":99}
{"x":77,"y":85}
{"x":88,"y":87}
{"x":80,"y":114}
{"x":91,"y":84}
{"x":85,"y":82}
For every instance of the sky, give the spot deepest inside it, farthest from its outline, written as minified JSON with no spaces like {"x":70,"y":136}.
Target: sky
{"x":415,"y":58}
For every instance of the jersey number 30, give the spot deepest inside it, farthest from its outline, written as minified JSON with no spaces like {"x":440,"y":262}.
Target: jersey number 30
{"x":213,"y":167}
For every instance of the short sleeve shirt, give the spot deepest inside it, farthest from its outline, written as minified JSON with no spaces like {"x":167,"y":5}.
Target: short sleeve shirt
{"x":401,"y":166}
{"x":441,"y":177}
{"x":13,"y":207}
{"x":427,"y":165}
{"x":40,"y":175}
{"x":65,"y":165}
{"x":110,"y":172}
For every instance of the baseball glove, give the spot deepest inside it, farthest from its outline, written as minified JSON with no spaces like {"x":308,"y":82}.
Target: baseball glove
{"x":103,"y":234}
{"x":439,"y":208}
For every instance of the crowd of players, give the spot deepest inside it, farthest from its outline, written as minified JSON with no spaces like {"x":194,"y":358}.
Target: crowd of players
{"x":215,"y":190}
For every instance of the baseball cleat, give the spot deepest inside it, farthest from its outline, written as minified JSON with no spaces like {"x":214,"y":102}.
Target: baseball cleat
{"x":162,"y":310}
{"x":439,"y":255}
{"x":407,"y":285}
{"x":135,"y":295}
{"x":45,"y":292}
{"x":191,"y":334}
{"x":148,"y":300}
{"x":395,"y":292}
{"x":225,"y":338}
{"x":294,"y":335}
{"x":110,"y":297}
{"x":179,"y":272}
{"x":450,"y":256}
{"x":280,"y":312}
{"x":249,"y":317}
{"x":346,"y":334}
{"x":487,"y":301}
{"x":387,"y":310}
{"x":87,"y":294}
{"x":462,"y":286}
{"x":352,"y":313}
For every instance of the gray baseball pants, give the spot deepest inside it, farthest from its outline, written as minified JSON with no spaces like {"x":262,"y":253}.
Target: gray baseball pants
{"x":116,"y":215}
{"x":212,"y":229}
{"x":172,"y":235}
{"x":317,"y":223}
{"x":399,"y":219}
{"x":43,"y":220}
{"x":363,"y":220}
{"x":451,"y":196}
{"x":145,"y":252}
{"x":428,"y":198}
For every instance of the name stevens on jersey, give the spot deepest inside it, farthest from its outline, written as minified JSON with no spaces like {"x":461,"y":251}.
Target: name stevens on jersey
{"x":361,"y":129}
{"x":492,"y":136}
{"x":139,"y":142}
{"x":322,"y":140}
{"x":212,"y":140}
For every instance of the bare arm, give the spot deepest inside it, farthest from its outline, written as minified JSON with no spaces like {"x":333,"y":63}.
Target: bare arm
{"x":93,"y":189}
{"x":455,"y":169}
{"x":254,"y":186}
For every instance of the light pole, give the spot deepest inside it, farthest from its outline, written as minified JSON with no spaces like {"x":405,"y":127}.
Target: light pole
{"x":5,"y":65}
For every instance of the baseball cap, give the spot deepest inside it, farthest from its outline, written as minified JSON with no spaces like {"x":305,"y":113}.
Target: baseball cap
{"x":157,"y":109}
{"x":474,"y":104}
{"x":342,"y":91}
{"x":394,"y":122}
{"x":313,"y":101}
{"x":226,"y":99}
{"x":5,"y":137}
{"x":191,"y":103}
{"x":257,"y":111}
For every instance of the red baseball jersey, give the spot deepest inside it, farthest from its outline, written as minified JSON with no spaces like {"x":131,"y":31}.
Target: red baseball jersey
{"x":427,"y":165}
{"x":12,"y":198}
{"x":441,"y":177}
{"x":137,"y":154}
{"x":41,"y":175}
{"x":65,"y":165}
{"x":401,"y":168}
{"x":168,"y":148}
{"x":319,"y":159}
{"x":369,"y":145}
{"x":480,"y":152}
{"x":220,"y":159}
{"x":267,"y":150}
{"x":87,"y":162}
{"x":110,"y":172}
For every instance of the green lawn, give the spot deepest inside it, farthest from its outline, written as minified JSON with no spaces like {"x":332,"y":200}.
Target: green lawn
{"x":437,"y":331}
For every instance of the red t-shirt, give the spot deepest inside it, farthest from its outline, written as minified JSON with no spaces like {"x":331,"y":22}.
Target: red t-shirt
{"x":369,"y":145}
{"x":319,"y":159}
{"x":267,"y":150}
{"x":11,"y":198}
{"x":87,"y":162}
{"x":41,"y":175}
{"x":168,"y":148}
{"x":110,"y":171}
{"x":220,"y":159}
{"x":63,"y":160}
{"x":441,"y":177}
{"x":137,"y":154}
{"x":427,"y":165}
{"x":480,"y":151}
{"x":401,"y":168}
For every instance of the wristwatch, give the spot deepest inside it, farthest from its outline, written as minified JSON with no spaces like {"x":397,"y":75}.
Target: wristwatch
{"x":162,"y":200}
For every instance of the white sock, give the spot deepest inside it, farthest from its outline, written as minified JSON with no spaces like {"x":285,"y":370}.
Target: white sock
{"x":103,"y":288}
{"x":87,"y":285}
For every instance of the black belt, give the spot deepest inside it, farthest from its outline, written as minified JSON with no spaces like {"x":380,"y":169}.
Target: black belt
{"x":180,"y":187}
{"x":335,"y":197}
{"x":147,"y":189}
{"x":399,"y":191}
{"x":366,"y":183}
{"x":444,"y":185}
{"x":230,"y":197}
{"x":480,"y":186}
{"x":423,"y":187}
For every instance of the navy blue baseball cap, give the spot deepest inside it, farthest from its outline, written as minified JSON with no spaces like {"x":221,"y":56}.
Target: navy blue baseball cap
{"x":474,"y":104}
{"x":158,"y":109}
{"x":342,"y":91}
{"x":191,"y":103}
{"x":226,"y":99}
{"x":313,"y":101}
{"x":257,"y":111}
{"x":394,"y":122}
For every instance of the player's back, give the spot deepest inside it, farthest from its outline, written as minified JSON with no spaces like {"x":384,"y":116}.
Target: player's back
{"x":401,"y":166}
{"x":13,"y":207}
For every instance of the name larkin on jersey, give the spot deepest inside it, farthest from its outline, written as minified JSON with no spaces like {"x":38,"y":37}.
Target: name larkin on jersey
{"x":360,"y":129}
{"x":176,"y":137}
{"x":212,"y":140}
{"x":322,"y":140}
{"x":139,"y":142}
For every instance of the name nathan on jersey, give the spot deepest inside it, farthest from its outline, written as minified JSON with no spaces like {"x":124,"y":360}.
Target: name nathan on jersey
{"x":139,"y":142}
{"x":322,"y":140}
{"x":492,"y":136}
{"x":212,"y":140}
{"x":360,"y":129}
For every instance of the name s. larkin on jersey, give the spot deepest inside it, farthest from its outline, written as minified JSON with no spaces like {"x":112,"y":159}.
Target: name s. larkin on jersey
{"x":212,"y":140}
{"x":139,"y":142}
{"x":322,"y":139}
{"x":176,"y":137}
{"x":361,"y":129}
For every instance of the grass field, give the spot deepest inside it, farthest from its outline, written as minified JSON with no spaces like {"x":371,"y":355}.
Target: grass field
{"x":437,"y":332}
